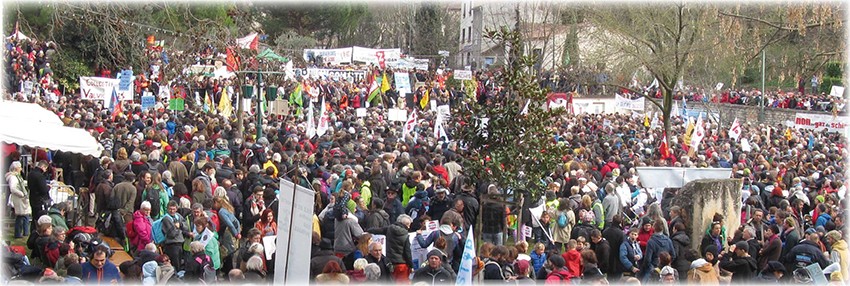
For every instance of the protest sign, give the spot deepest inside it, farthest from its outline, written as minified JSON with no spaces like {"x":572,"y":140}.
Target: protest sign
{"x":396,"y":114}
{"x":402,"y":83}
{"x":361,"y":112}
{"x":837,"y":91}
{"x":332,"y":74}
{"x":369,"y":56}
{"x":444,"y":110}
{"x":295,"y":222}
{"x":332,"y":56}
{"x":629,"y":104}
{"x":463,"y":74}
{"x":148,"y":101}
{"x":819,"y":122}
{"x":100,"y":88}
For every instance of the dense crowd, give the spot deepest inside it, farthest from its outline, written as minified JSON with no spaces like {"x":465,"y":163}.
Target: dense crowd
{"x":192,"y":198}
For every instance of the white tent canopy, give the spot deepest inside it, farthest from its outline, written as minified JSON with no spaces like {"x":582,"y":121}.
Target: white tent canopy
{"x":31,"y":125}
{"x":13,"y":111}
{"x":20,"y":35}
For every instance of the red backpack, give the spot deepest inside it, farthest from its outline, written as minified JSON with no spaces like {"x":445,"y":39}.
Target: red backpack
{"x":215,"y":220}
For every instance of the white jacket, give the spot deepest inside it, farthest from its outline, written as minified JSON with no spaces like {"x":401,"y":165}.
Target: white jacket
{"x":19,"y":198}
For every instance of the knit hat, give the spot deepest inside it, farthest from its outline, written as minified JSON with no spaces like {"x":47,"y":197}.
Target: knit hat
{"x":743,"y":245}
{"x":521,"y":266}
{"x":75,"y":270}
{"x":437,"y":253}
{"x":45,"y":219}
{"x":773,"y":266}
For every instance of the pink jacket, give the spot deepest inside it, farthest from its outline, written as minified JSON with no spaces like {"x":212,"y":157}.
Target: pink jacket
{"x":142,"y":226}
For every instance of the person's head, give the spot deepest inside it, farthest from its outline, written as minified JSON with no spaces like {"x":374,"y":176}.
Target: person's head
{"x":198,"y":210}
{"x":458,"y":205}
{"x":664,"y":258}
{"x":499,"y":253}
{"x":572,"y":244}
{"x":201,"y":224}
{"x":758,"y":215}
{"x":196,"y":247}
{"x":675,"y":211}
{"x":646,"y":224}
{"x":98,"y":259}
{"x":435,"y":258}
{"x":658,"y":226}
{"x":332,"y":267}
{"x":376,"y":249}
{"x":236,"y":276}
{"x":404,"y":220}
{"x":742,"y":248}
{"x":147,"y":178}
{"x":595,"y":236}
{"x":748,"y":233}
{"x":557,"y":261}
{"x":43,"y":165}
{"x":633,"y":234}
{"x":255,"y":235}
{"x":716,"y":227}
{"x":668,"y":275}
{"x":172,"y":207}
{"x":255,"y":263}
{"x":588,"y":256}
{"x":833,"y":236}
{"x":539,"y":248}
{"x":267,"y":216}
{"x":145,"y":208}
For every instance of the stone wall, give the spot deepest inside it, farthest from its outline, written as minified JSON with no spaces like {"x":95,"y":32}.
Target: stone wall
{"x":701,"y":199}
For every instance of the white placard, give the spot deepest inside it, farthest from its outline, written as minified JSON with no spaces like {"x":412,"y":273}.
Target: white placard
{"x":718,"y":86}
{"x":819,"y":122}
{"x":333,"y":56}
{"x":361,"y":112}
{"x":367,"y":55}
{"x":395,"y":114}
{"x":402,"y":83}
{"x":269,"y":245}
{"x":100,"y":88}
{"x":295,"y":229}
{"x":629,"y":104}
{"x":434,"y":105}
{"x":444,"y":110}
{"x":463,"y":74}
{"x":837,"y":91}
{"x":669,"y":177}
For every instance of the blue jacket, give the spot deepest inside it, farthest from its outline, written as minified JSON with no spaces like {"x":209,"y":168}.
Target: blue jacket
{"x":823,"y":219}
{"x":656,"y":244}
{"x":537,"y":260}
{"x":627,"y":254}
{"x":110,"y":272}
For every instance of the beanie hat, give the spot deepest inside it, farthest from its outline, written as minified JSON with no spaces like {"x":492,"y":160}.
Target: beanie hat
{"x":742,"y":245}
{"x":437,"y":253}
{"x":75,"y":270}
{"x":521,"y":266}
{"x":45,"y":219}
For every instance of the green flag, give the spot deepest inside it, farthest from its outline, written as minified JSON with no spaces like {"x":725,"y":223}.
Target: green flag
{"x":295,"y":97}
{"x":374,"y":90}
{"x":176,"y":103}
{"x":270,"y":55}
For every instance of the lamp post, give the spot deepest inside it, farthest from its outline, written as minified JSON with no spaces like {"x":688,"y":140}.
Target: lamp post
{"x":259,"y":104}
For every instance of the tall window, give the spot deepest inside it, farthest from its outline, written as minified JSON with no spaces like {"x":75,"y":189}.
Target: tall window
{"x":463,"y":36}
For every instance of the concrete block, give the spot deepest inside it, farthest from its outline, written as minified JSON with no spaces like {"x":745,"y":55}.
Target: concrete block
{"x":701,"y":199}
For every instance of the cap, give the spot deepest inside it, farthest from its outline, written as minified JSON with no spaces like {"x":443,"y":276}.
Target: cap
{"x":742,"y":245}
{"x":811,"y":230}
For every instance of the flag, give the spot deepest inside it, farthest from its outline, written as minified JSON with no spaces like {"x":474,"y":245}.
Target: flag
{"x":646,"y":119}
{"x":115,"y":104}
{"x":788,"y":135}
{"x":464,"y":273}
{"x":699,"y":133}
{"x":675,"y":112}
{"x":664,"y":149}
{"x":409,"y":124}
{"x":439,"y":131}
{"x":684,"y":105}
{"x":735,"y":130}
{"x":385,"y":84}
{"x":655,"y":122}
{"x":295,"y":97}
{"x":322,"y":128}
{"x":232,"y":61}
{"x":248,"y":42}
{"x":207,"y":103}
{"x":311,"y":123}
{"x":263,"y":103}
{"x":374,"y":91}
{"x":176,"y":101}
{"x":525,"y":108}
{"x":224,"y":105}
{"x":425,"y":98}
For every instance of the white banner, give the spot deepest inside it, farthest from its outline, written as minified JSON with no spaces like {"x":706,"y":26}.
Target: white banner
{"x":295,"y":221}
{"x":100,"y":88}
{"x":349,"y":75}
{"x":463,"y":74}
{"x":333,"y":56}
{"x":369,"y":56}
{"x":444,"y":110}
{"x":837,"y":91}
{"x":410,"y":63}
{"x":669,"y":177}
{"x":818,"y":122}
{"x":630,"y":104}
{"x":464,"y":273}
{"x":402,"y":84}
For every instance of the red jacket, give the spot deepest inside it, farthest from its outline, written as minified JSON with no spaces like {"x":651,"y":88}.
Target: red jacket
{"x":573,"y":258}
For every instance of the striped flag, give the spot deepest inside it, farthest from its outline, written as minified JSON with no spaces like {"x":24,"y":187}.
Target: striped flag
{"x":409,"y":125}
{"x":115,"y":104}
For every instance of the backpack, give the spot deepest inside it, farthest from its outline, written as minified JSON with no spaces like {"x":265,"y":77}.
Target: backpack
{"x":158,"y":235}
{"x":562,"y":220}
{"x":209,"y":272}
{"x":131,"y":231}
{"x":215,"y":220}
{"x":152,"y":196}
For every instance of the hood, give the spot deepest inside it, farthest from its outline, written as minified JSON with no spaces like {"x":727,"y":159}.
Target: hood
{"x":421,"y":194}
{"x":53,"y":210}
{"x":138,"y":214}
{"x":384,"y":214}
{"x":707,"y":267}
{"x":682,"y":238}
{"x":149,"y":269}
{"x":410,"y":183}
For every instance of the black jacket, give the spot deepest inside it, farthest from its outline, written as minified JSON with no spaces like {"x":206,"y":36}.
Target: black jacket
{"x":398,"y":243}
{"x":384,"y":264}
{"x":492,"y":218}
{"x":804,"y":254}
{"x":439,"y":276}
{"x":39,"y":191}
{"x":681,"y":242}
{"x":470,"y":209}
{"x":318,"y":262}
{"x":437,"y":208}
{"x":744,"y":269}
{"x":615,"y":236}
{"x":603,"y":254}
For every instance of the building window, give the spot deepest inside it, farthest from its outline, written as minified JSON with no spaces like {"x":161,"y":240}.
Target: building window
{"x":468,"y":58}
{"x":470,"y":34}
{"x":463,"y":36}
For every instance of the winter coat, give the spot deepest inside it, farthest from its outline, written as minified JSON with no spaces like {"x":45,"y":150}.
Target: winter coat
{"x":558,"y":277}
{"x":770,"y":252}
{"x":573,"y":262}
{"x":346,"y":231}
{"x":841,"y":252}
{"x":493,"y":218}
{"x":142,"y":227}
{"x":39,"y":191}
{"x":19,"y":194}
{"x":681,"y":242}
{"x":398,"y":243}
{"x":704,"y":275}
{"x":615,"y":237}
{"x":537,"y":260}
{"x":438,"y":207}
{"x":431,"y":276}
{"x":320,"y":259}
{"x":149,"y":273}
{"x":125,"y":194}
{"x":195,"y":270}
{"x":804,"y":254}
{"x":376,"y":219}
{"x":562,"y":234}
{"x":172,"y":233}
{"x":230,"y":228}
{"x":657,"y":243}
{"x":603,"y":254}
{"x":744,"y":269}
{"x":57,"y":218}
{"x":627,"y":255}
{"x":110,"y":272}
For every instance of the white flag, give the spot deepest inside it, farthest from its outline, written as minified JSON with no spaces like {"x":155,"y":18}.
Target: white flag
{"x":464,"y":273}
{"x":675,"y":112}
{"x":655,"y":123}
{"x":735,"y":130}
{"x":408,"y":126}
{"x":323,"y":120}
{"x":311,"y":123}
{"x":699,"y":133}
{"x":525,"y":109}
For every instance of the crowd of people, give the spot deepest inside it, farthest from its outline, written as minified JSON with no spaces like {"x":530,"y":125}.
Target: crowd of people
{"x":192,"y":198}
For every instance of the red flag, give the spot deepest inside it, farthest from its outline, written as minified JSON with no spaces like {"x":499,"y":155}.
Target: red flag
{"x":232,"y":61}
{"x":664,"y":149}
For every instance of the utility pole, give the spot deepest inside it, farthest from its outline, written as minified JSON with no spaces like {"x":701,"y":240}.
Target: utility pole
{"x":763,"y":91}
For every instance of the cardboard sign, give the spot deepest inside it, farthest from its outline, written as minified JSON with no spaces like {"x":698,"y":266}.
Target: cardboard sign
{"x":125,"y":79}
{"x":361,"y":112}
{"x":395,"y":114}
{"x":148,"y":101}
{"x":837,"y":91}
{"x":444,"y":110}
{"x":463,"y":74}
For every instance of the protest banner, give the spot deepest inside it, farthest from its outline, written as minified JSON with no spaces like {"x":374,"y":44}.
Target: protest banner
{"x":148,"y":101}
{"x":837,"y":91}
{"x":629,"y":104}
{"x":558,"y":100}
{"x":361,"y":112}
{"x":333,"y":74}
{"x":818,"y":122}
{"x":100,"y":88}
{"x":464,"y":273}
{"x":670,"y":177}
{"x":332,"y":56}
{"x":444,"y":110}
{"x":402,"y":83}
{"x":295,"y":231}
{"x":369,"y":56}
{"x":395,"y":114}
{"x":463,"y":74}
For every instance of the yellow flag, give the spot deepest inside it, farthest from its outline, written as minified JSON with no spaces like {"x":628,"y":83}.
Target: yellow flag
{"x":688,"y":131}
{"x":385,"y":84}
{"x":788,"y":135}
{"x":425,"y":99}
{"x":224,"y":105}
{"x":646,"y":119}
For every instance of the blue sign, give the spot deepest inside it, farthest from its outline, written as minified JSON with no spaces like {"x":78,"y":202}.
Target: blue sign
{"x":148,"y":101}
{"x":126,"y":77}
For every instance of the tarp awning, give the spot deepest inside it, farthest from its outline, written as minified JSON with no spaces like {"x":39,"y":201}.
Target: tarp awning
{"x":20,"y":35}
{"x":31,"y":125}
{"x":13,"y":111}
